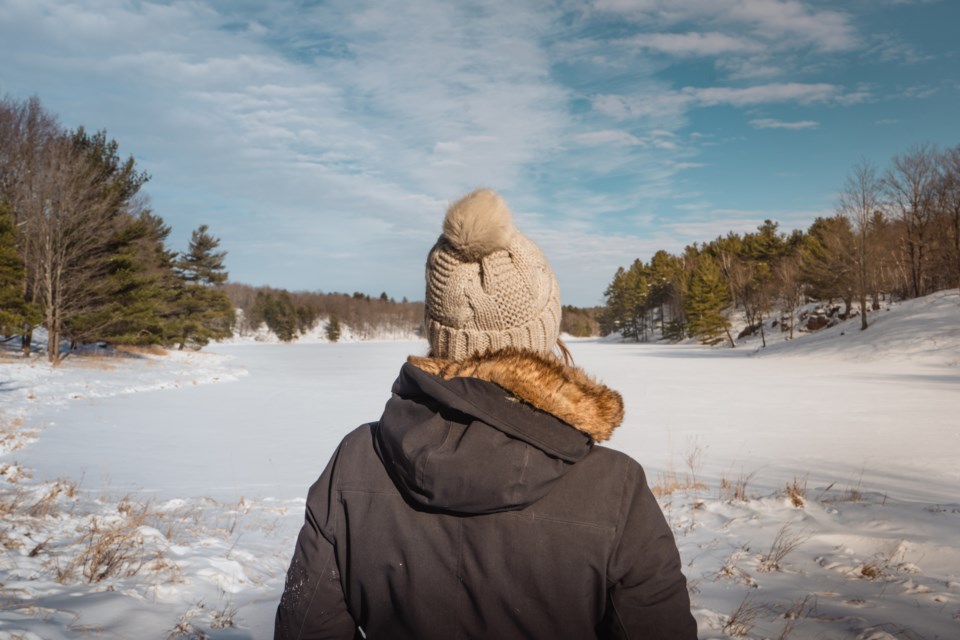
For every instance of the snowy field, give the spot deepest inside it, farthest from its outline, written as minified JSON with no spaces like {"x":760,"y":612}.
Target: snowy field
{"x":159,"y":497}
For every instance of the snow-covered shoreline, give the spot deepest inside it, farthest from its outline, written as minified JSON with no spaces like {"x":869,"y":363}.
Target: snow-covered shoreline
{"x":842,"y":447}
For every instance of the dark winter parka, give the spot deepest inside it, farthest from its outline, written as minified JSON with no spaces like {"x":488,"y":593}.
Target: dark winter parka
{"x":479,"y":507}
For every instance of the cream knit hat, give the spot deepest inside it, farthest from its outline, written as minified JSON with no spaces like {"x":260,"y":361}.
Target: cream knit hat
{"x":488,"y":285}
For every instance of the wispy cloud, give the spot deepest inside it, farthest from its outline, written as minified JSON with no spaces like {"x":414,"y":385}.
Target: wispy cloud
{"x":769,"y":123}
{"x":693,"y":44}
{"x":626,"y":107}
{"x":772,"y":20}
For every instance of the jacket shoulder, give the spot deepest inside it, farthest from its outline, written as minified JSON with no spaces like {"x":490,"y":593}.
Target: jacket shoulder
{"x":358,"y":465}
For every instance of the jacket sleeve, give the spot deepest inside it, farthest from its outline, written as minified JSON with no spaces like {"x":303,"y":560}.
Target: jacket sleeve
{"x":647,"y":598}
{"x":313,"y":606}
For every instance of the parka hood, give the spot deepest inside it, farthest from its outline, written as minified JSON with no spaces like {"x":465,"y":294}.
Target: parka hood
{"x":492,"y":432}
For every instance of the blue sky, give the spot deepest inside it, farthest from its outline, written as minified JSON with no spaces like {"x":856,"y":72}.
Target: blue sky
{"x":322,"y":140}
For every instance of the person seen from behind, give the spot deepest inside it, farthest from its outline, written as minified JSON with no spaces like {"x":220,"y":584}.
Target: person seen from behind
{"x":481,"y":505}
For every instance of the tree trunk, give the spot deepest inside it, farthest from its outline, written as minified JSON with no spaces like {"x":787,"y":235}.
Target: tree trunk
{"x":863,"y":311}
{"x":733,"y":345}
{"x":53,"y":347}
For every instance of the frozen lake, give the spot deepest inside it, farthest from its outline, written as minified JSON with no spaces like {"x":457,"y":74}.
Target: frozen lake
{"x":892,"y":425}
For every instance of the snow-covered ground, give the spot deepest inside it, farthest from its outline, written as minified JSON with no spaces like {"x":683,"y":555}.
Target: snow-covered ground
{"x":146,"y":497}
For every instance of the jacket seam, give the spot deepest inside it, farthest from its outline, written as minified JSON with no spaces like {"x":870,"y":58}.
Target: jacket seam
{"x":578,"y":523}
{"x":423,"y":467}
{"x":313,"y":594}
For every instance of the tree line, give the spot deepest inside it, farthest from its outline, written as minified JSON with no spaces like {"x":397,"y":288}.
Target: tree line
{"x":291,"y":314}
{"x":82,"y":254}
{"x":894,"y":232}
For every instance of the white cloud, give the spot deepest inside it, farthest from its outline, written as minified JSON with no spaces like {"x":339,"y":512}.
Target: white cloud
{"x":693,"y":44}
{"x":799,"y":92}
{"x":623,"y":107}
{"x":783,"y":21}
{"x":608,"y":136}
{"x":768,"y":123}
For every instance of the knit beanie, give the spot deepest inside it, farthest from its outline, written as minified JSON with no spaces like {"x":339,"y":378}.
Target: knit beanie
{"x":488,"y":285}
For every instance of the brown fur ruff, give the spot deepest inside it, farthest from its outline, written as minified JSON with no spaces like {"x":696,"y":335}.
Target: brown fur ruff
{"x":563,"y":391}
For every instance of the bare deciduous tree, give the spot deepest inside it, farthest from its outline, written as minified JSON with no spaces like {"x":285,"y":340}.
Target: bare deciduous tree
{"x":909,"y":185}
{"x":71,"y":219}
{"x":858,"y":201}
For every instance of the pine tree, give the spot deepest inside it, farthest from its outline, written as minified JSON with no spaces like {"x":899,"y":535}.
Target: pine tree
{"x":202,"y":263}
{"x":140,"y":288}
{"x":333,"y":328}
{"x":707,"y":298}
{"x":16,"y":314}
{"x":203,"y":310}
{"x":281,"y":316}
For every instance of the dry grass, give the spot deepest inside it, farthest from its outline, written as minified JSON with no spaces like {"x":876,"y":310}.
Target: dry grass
{"x":185,"y":627}
{"x":671,"y":481}
{"x":744,"y":618}
{"x":12,"y":472}
{"x":49,"y":504}
{"x":736,"y":490}
{"x":223,"y":618}
{"x":797,"y":492}
{"x":142,"y":350}
{"x":784,"y":543}
{"x":113,"y":547}
{"x":107,"y":550}
{"x":731,"y":571}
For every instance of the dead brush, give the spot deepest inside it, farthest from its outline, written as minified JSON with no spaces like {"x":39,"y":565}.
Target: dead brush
{"x":185,"y":628}
{"x":744,"y":618}
{"x":736,"y":490}
{"x":96,"y":360}
{"x":784,"y":543}
{"x":793,"y":614}
{"x":12,"y":472}
{"x":111,"y":551}
{"x":141,"y":349}
{"x":671,"y":481}
{"x":110,"y":548}
{"x":797,"y":492}
{"x":223,"y":618}
{"x":49,"y":504}
{"x":8,"y":542}
{"x":731,"y":571}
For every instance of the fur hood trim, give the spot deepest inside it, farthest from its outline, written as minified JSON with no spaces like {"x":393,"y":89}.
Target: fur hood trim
{"x":566,"y":392}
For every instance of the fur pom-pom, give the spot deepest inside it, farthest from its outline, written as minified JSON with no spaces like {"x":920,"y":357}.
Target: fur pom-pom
{"x":478,"y":224}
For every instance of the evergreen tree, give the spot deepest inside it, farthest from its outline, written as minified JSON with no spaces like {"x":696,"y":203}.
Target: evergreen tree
{"x":281,"y":316}
{"x":333,"y":328}
{"x":202,"y":263}
{"x":140,"y":288}
{"x":16,"y":314}
{"x":203,"y":310}
{"x":708,"y":296}
{"x":826,"y":260}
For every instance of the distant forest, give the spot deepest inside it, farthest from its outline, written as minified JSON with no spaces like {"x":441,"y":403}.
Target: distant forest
{"x":895,"y":232}
{"x":291,"y":314}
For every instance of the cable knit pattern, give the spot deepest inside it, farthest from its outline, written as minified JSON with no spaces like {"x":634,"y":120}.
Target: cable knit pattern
{"x":488,"y":286}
